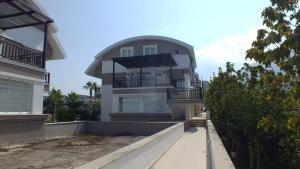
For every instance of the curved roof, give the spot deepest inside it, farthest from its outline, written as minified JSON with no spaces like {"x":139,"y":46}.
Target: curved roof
{"x":99,"y":56}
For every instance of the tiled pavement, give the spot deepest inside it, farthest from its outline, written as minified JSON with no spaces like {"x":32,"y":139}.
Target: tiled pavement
{"x":189,"y":152}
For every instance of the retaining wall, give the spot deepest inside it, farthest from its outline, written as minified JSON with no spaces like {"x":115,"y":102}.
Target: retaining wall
{"x":64,"y":129}
{"x":126,"y":128}
{"x":15,"y":129}
{"x":31,"y":128}
{"x":217,"y":156}
{"x":139,"y":155}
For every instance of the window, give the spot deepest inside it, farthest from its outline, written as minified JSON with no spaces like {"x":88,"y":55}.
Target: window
{"x":15,"y":97}
{"x":126,"y":52}
{"x":177,"y":51}
{"x":142,"y":104}
{"x":149,"y":49}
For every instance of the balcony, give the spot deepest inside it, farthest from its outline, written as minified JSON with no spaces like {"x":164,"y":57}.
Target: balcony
{"x":185,"y":95}
{"x":196,"y":84}
{"x":18,"y":52}
{"x":144,"y":82}
{"x":47,"y":82}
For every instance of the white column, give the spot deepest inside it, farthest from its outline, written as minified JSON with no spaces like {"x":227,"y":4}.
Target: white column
{"x":106,"y":102}
{"x":188,"y":109}
{"x":37,"y":98}
{"x":187,"y":80}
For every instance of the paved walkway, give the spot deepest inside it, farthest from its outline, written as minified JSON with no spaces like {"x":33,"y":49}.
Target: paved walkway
{"x":189,"y":152}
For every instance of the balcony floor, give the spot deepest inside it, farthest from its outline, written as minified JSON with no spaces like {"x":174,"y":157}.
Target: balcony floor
{"x":187,"y":152}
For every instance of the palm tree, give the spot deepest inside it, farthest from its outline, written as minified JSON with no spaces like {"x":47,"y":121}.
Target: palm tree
{"x":72,"y":100}
{"x":53,"y":101}
{"x":90,"y":86}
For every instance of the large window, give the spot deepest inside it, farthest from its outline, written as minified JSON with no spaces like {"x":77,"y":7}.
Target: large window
{"x":149,"y":49}
{"x":15,"y":96}
{"x":126,"y":52}
{"x":142,"y":104}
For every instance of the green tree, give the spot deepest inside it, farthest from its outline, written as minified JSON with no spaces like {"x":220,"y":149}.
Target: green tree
{"x":72,"y":101}
{"x":278,"y":46}
{"x":54,"y":102}
{"x":272,"y":88}
{"x":91,"y":86}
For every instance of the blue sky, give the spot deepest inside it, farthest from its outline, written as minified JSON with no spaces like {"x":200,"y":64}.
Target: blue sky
{"x":219,"y":30}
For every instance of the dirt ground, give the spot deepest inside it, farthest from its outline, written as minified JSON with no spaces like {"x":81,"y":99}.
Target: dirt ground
{"x":64,"y":153}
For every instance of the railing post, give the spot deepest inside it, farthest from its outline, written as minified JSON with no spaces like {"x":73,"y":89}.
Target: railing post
{"x":141,"y":74}
{"x":113,"y":77}
{"x":171,"y":76}
{"x":45,"y":46}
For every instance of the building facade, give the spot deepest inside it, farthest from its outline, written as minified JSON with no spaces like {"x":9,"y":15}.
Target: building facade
{"x":27,"y":43}
{"x":147,"y":78}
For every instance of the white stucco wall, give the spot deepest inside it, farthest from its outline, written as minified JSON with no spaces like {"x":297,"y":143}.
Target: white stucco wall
{"x":187,"y":80}
{"x":106,"y":103}
{"x":107,"y":67}
{"x":115,"y":101}
{"x":37,"y":98}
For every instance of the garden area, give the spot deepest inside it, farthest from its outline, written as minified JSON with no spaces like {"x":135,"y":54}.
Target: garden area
{"x":71,"y":107}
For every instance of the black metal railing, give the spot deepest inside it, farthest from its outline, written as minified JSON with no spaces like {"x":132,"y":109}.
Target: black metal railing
{"x":184,"y":94}
{"x":47,"y":78}
{"x":196,"y":84}
{"x":18,"y":52}
{"x":144,"y":82}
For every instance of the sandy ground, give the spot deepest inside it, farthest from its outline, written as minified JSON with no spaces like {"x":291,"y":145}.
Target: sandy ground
{"x":63,"y":153}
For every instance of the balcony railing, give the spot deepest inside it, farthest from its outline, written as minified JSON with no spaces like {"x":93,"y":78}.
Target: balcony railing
{"x":47,"y":78}
{"x":196,"y":84}
{"x":184,"y":94}
{"x":18,"y":52}
{"x":144,"y":82}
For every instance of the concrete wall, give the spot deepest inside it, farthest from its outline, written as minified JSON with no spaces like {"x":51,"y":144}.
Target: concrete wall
{"x":106,"y":103}
{"x":126,"y":128}
{"x":64,"y":129}
{"x":141,"y":154}
{"x":15,"y":129}
{"x":217,"y":156}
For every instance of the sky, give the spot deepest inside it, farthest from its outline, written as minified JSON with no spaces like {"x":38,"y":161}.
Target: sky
{"x":219,"y":31}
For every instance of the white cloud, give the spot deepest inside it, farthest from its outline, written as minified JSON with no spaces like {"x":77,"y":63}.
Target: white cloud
{"x":230,"y":48}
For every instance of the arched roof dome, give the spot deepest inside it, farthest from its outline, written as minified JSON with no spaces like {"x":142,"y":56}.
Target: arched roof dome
{"x":99,"y":56}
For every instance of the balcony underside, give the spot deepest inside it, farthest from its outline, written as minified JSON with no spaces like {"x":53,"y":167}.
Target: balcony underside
{"x":16,"y":14}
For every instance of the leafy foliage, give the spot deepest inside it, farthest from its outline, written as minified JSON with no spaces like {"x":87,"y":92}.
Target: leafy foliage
{"x":54,"y":102}
{"x":262,"y":102}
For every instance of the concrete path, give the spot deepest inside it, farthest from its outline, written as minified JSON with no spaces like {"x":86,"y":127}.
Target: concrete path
{"x":189,"y":152}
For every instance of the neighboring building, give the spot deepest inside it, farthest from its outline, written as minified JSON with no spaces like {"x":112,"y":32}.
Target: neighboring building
{"x":205,"y":85}
{"x":27,"y":42}
{"x":147,"y":78}
{"x":98,"y":92}
{"x":86,"y":99}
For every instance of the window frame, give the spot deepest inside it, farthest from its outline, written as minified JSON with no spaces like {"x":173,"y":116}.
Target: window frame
{"x":151,"y":46}
{"x":127,"y":49}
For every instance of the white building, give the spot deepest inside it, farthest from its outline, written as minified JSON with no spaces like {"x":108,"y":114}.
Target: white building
{"x":147,"y":78}
{"x":27,"y":43}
